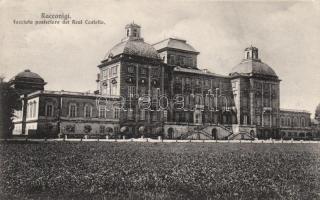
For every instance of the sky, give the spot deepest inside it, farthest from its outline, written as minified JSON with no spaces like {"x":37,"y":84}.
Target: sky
{"x":66,"y":55}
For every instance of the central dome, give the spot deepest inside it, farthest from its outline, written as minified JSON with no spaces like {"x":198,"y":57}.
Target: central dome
{"x":133,"y":44}
{"x":247,"y":67}
{"x":135,"y":47}
{"x":252,"y":65}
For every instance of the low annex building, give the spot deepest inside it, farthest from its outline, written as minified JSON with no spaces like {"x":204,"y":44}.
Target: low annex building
{"x":159,"y":89}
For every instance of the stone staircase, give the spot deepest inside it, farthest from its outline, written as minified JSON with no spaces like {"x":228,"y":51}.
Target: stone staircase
{"x":226,"y":129}
{"x":242,"y":135}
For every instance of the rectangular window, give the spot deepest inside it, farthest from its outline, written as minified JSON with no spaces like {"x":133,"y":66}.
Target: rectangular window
{"x":155,"y":92}
{"x":114,"y":70}
{"x":143,"y":71}
{"x":104,"y":74}
{"x":142,"y":114}
{"x":116,"y":113}
{"x":34,"y":109}
{"x":116,"y":129}
{"x":114,"y":89}
{"x":165,"y":115}
{"x":131,"y":91}
{"x":49,"y":110}
{"x":182,"y":61}
{"x":110,"y":72}
{"x":245,"y":119}
{"x":171,"y":60}
{"x":258,"y":120}
{"x":87,"y":111}
{"x":130,"y":114}
{"x":155,"y":116}
{"x":102,"y":129}
{"x":131,"y":69}
{"x":72,"y":110}
{"x":266,"y":120}
{"x":102,"y":112}
{"x":142,"y":91}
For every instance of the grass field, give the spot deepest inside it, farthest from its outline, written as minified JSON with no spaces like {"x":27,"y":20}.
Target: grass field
{"x":100,"y":170}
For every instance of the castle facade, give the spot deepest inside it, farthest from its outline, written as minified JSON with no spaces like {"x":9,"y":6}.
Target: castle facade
{"x":159,"y":90}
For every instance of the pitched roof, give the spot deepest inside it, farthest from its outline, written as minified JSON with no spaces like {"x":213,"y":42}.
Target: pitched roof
{"x":253,"y":67}
{"x":174,"y":43}
{"x":133,"y":47}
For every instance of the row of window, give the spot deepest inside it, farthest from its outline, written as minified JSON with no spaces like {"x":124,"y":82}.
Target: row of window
{"x":88,"y":129}
{"x":266,"y":120}
{"x":181,"y":60}
{"x":110,"y":72}
{"x":188,"y":81}
{"x":72,"y":112}
{"x":155,"y":92}
{"x":143,"y":70}
{"x":155,"y":116}
{"x":110,"y":89}
{"x":296,"y":134}
{"x":286,"y":121}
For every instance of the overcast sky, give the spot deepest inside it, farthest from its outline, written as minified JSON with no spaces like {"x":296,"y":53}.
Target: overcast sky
{"x":66,"y":56}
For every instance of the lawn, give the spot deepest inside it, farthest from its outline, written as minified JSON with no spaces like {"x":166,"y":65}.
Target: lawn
{"x":103,"y":170}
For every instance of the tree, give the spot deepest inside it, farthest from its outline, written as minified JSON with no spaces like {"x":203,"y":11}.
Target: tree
{"x":9,"y":101}
{"x":317,"y":113}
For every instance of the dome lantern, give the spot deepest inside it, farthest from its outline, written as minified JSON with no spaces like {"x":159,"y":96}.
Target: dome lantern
{"x":251,"y":65}
{"x":132,"y":31}
{"x":251,"y":53}
{"x":132,"y":45}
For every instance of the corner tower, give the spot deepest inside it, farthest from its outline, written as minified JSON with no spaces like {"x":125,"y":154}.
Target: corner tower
{"x":256,"y":91}
{"x":132,"y":69}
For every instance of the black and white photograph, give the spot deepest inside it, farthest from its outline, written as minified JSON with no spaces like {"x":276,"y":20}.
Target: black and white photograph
{"x":172,"y":99}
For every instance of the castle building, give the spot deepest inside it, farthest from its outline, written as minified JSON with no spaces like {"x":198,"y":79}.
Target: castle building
{"x":159,"y":89}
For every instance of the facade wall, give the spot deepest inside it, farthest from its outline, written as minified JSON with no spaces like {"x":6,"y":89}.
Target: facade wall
{"x":179,"y":58}
{"x":296,"y":125}
{"x":110,"y":79}
{"x":189,"y":131}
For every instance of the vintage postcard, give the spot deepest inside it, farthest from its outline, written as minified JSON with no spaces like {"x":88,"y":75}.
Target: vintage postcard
{"x":181,"y":99}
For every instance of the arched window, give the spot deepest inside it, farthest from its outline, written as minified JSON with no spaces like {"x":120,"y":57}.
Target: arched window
{"x":214,"y":133}
{"x":245,"y":119}
{"x":282,"y":122}
{"x":295,"y":121}
{"x":72,"y":110}
{"x":170,"y":133}
{"x":303,"y":122}
{"x":49,"y":110}
{"x":87,"y":111}
{"x":288,"y":121}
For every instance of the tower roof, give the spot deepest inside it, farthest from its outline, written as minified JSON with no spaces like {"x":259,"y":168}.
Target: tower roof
{"x":247,"y":67}
{"x":133,"y":47}
{"x":252,"y":65}
{"x":133,"y":44}
{"x":175,"y":43}
{"x":27,"y":74}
